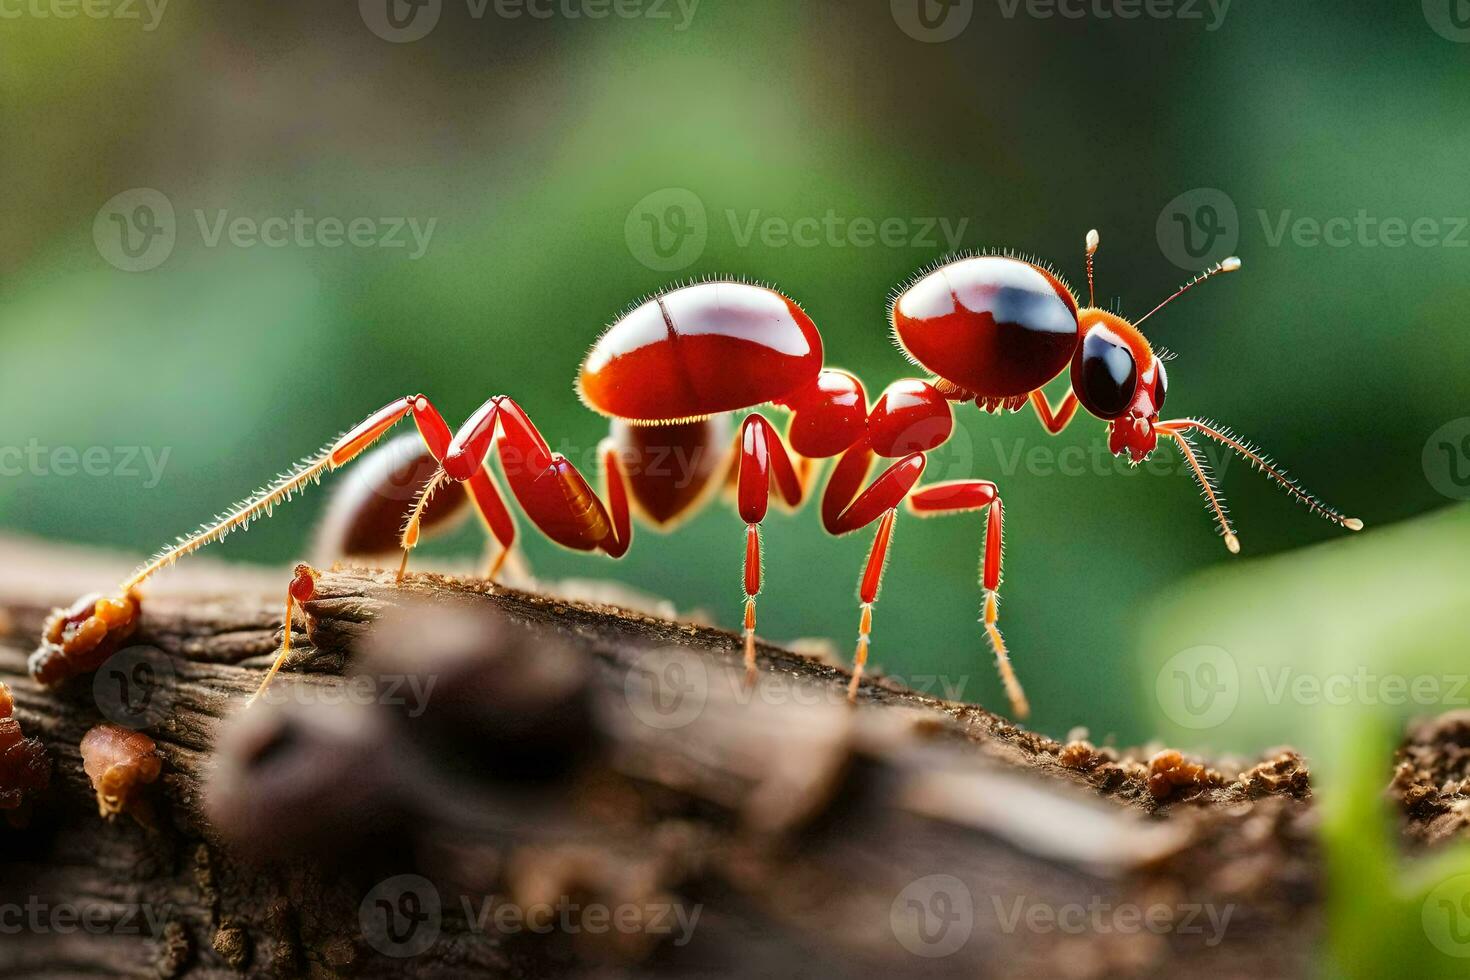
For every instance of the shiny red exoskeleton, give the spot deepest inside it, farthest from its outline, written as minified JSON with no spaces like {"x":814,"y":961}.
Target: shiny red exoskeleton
{"x":989,"y":330}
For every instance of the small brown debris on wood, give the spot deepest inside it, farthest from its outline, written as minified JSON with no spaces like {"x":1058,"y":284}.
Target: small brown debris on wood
{"x":25,"y":769}
{"x":1080,"y":754}
{"x":120,"y":763}
{"x":79,"y":639}
{"x":1431,"y":778}
{"x":1285,"y":773}
{"x":1169,"y":771}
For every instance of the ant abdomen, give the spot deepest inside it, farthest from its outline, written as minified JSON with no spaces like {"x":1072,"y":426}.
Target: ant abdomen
{"x":366,"y":514}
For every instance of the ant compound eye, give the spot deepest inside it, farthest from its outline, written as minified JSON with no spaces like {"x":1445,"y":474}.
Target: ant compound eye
{"x":1104,"y":374}
{"x":1161,"y":386}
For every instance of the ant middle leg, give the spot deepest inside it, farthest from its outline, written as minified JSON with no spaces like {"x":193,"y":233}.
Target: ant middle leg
{"x":957,"y":496}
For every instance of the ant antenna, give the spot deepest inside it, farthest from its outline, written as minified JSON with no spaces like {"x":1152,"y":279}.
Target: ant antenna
{"x":1226,"y":265}
{"x":1092,"y":241}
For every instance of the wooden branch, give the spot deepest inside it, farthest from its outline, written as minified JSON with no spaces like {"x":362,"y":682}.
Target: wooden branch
{"x":589,"y":756}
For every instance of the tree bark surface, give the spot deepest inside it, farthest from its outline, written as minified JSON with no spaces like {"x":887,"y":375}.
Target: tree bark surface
{"x":905,"y":836}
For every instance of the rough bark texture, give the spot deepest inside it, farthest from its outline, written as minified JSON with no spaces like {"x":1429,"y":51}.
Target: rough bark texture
{"x":907,"y":836}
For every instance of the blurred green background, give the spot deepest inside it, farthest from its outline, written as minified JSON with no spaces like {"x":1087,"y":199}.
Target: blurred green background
{"x":536,"y":145}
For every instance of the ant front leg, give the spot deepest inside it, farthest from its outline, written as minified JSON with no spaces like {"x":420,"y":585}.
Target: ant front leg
{"x":763,"y":462}
{"x":957,"y":496}
{"x":1054,"y":421}
{"x":878,"y":503}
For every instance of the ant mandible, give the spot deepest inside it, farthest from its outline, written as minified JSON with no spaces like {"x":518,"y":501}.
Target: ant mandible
{"x":989,"y":329}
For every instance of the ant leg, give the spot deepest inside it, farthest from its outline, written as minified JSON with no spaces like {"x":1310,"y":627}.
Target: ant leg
{"x":877,"y":503}
{"x":301,"y":591}
{"x":1056,"y":420}
{"x":550,"y":489}
{"x":308,"y":471}
{"x":971,"y":495}
{"x":490,"y":505}
{"x":763,"y":461}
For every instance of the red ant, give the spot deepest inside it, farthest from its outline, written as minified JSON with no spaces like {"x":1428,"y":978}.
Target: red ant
{"x":990,"y":329}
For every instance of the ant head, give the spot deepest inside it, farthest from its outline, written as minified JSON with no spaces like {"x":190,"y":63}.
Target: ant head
{"x":1116,"y":374}
{"x":1118,"y":378}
